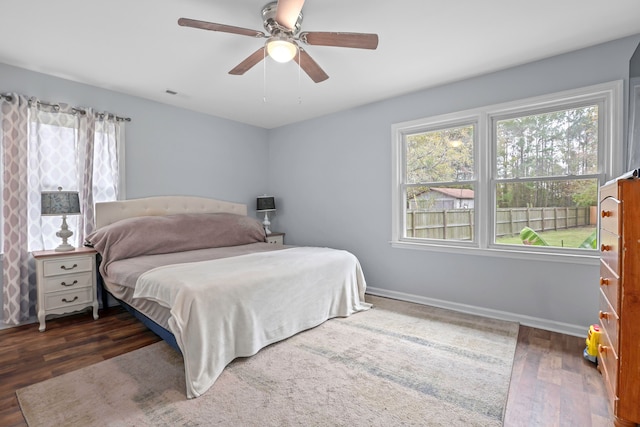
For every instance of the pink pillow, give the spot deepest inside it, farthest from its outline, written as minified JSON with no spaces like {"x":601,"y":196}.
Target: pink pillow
{"x":148,"y":235}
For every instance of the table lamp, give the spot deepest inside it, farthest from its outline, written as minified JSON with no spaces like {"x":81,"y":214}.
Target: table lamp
{"x":266,"y":204}
{"x":61,"y":203}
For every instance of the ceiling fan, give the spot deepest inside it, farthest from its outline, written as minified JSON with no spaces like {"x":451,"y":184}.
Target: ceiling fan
{"x":282,"y":20}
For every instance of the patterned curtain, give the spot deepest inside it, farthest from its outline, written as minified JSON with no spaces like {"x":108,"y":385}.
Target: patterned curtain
{"x":17,"y":300}
{"x":84,"y":179}
{"x":55,"y":146}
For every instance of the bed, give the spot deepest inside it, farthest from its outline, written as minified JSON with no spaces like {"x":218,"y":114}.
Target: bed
{"x":199,"y":273}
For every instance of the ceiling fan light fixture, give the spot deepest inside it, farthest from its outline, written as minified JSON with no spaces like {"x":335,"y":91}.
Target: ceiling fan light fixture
{"x":281,"y":49}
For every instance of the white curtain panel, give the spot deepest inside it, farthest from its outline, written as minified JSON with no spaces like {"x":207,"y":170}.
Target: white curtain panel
{"x":45,"y":147}
{"x":102,"y":184}
{"x":54,"y":140}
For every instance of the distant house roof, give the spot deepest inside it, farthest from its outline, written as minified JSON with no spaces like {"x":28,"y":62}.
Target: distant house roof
{"x":458,"y":193}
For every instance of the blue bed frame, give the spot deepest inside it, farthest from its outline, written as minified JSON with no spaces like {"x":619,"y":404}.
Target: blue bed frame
{"x":155,"y":328}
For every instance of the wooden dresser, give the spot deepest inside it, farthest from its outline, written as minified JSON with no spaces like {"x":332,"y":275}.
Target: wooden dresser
{"x":619,"y":349}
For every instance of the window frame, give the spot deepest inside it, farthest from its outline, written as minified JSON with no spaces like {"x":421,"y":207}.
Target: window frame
{"x":437,"y":123}
{"x":608,"y":96}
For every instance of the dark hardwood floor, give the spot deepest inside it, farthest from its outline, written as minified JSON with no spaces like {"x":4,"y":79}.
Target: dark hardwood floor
{"x":551,"y":384}
{"x":28,"y":356}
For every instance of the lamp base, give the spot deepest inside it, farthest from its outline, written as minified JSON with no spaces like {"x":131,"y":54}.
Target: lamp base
{"x":266,"y":223}
{"x":64,"y":248}
{"x":64,"y":234}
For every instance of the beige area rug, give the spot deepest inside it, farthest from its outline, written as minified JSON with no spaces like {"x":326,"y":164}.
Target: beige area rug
{"x":396,"y":364}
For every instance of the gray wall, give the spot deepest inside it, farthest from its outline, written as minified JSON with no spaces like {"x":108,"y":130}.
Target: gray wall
{"x":332,"y":177}
{"x":634,"y":64}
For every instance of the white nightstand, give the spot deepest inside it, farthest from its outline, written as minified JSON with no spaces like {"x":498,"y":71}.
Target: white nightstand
{"x":275,"y":238}
{"x":66,"y":282}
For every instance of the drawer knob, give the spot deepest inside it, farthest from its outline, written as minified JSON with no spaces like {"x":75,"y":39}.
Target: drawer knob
{"x":64,"y":267}
{"x":605,"y":248}
{"x":69,"y":284}
{"x":604,"y":281}
{"x":606,"y":214}
{"x":67,"y":301}
{"x":602,"y":348}
{"x":603,"y":315}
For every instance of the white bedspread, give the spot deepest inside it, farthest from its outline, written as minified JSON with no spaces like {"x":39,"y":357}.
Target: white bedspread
{"x":233,"y":307}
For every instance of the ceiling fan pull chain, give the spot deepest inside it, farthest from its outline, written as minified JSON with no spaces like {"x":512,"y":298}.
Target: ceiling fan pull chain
{"x":264,"y":76}
{"x":299,"y":80}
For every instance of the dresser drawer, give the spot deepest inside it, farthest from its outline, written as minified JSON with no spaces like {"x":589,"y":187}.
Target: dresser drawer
{"x":609,"y":190}
{"x":608,"y":363}
{"x":68,"y":282}
{"x":610,"y":285}
{"x":56,"y":267}
{"x":610,"y":215}
{"x":610,"y":250}
{"x":609,"y":321}
{"x":60,"y":300}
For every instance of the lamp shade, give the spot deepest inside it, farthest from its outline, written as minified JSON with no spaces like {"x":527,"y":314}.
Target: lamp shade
{"x":59,"y":202}
{"x":266,"y":203}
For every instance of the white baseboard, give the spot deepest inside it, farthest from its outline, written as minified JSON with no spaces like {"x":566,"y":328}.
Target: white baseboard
{"x":535,"y":322}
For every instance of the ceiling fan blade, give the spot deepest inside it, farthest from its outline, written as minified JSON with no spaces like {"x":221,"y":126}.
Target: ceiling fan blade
{"x":287,"y":12}
{"x":310,"y":66}
{"x":249,"y":62}
{"x":211,"y":26}
{"x":355,"y":40}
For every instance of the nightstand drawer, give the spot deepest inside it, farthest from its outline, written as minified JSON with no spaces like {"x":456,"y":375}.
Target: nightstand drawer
{"x":68,"y":298}
{"x":56,"y":267}
{"x":275,"y":238}
{"x":68,"y":282}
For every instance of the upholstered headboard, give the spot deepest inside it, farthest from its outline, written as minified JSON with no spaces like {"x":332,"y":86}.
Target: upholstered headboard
{"x":110,"y":212}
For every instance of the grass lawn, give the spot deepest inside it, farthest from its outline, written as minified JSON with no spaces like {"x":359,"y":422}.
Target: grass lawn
{"x":571,"y":237}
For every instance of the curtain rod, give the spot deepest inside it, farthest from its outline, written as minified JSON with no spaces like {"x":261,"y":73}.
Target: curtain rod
{"x":74,"y":109}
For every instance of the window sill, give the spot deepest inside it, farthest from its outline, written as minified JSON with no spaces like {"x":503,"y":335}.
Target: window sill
{"x":592,"y":259}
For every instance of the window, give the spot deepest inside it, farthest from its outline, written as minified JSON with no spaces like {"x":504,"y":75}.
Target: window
{"x":439,"y":178}
{"x":517,"y":177}
{"x":77,"y":150}
{"x":546,"y":177}
{"x":57,"y":158}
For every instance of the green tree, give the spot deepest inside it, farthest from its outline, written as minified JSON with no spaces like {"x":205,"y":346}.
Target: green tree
{"x":556,"y":144}
{"x":435,"y":156}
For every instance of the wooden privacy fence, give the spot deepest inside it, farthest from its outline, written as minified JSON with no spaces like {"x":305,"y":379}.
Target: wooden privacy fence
{"x":458,"y":224}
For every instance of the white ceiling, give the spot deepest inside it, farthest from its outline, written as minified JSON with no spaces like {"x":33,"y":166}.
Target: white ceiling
{"x":136,"y":47}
